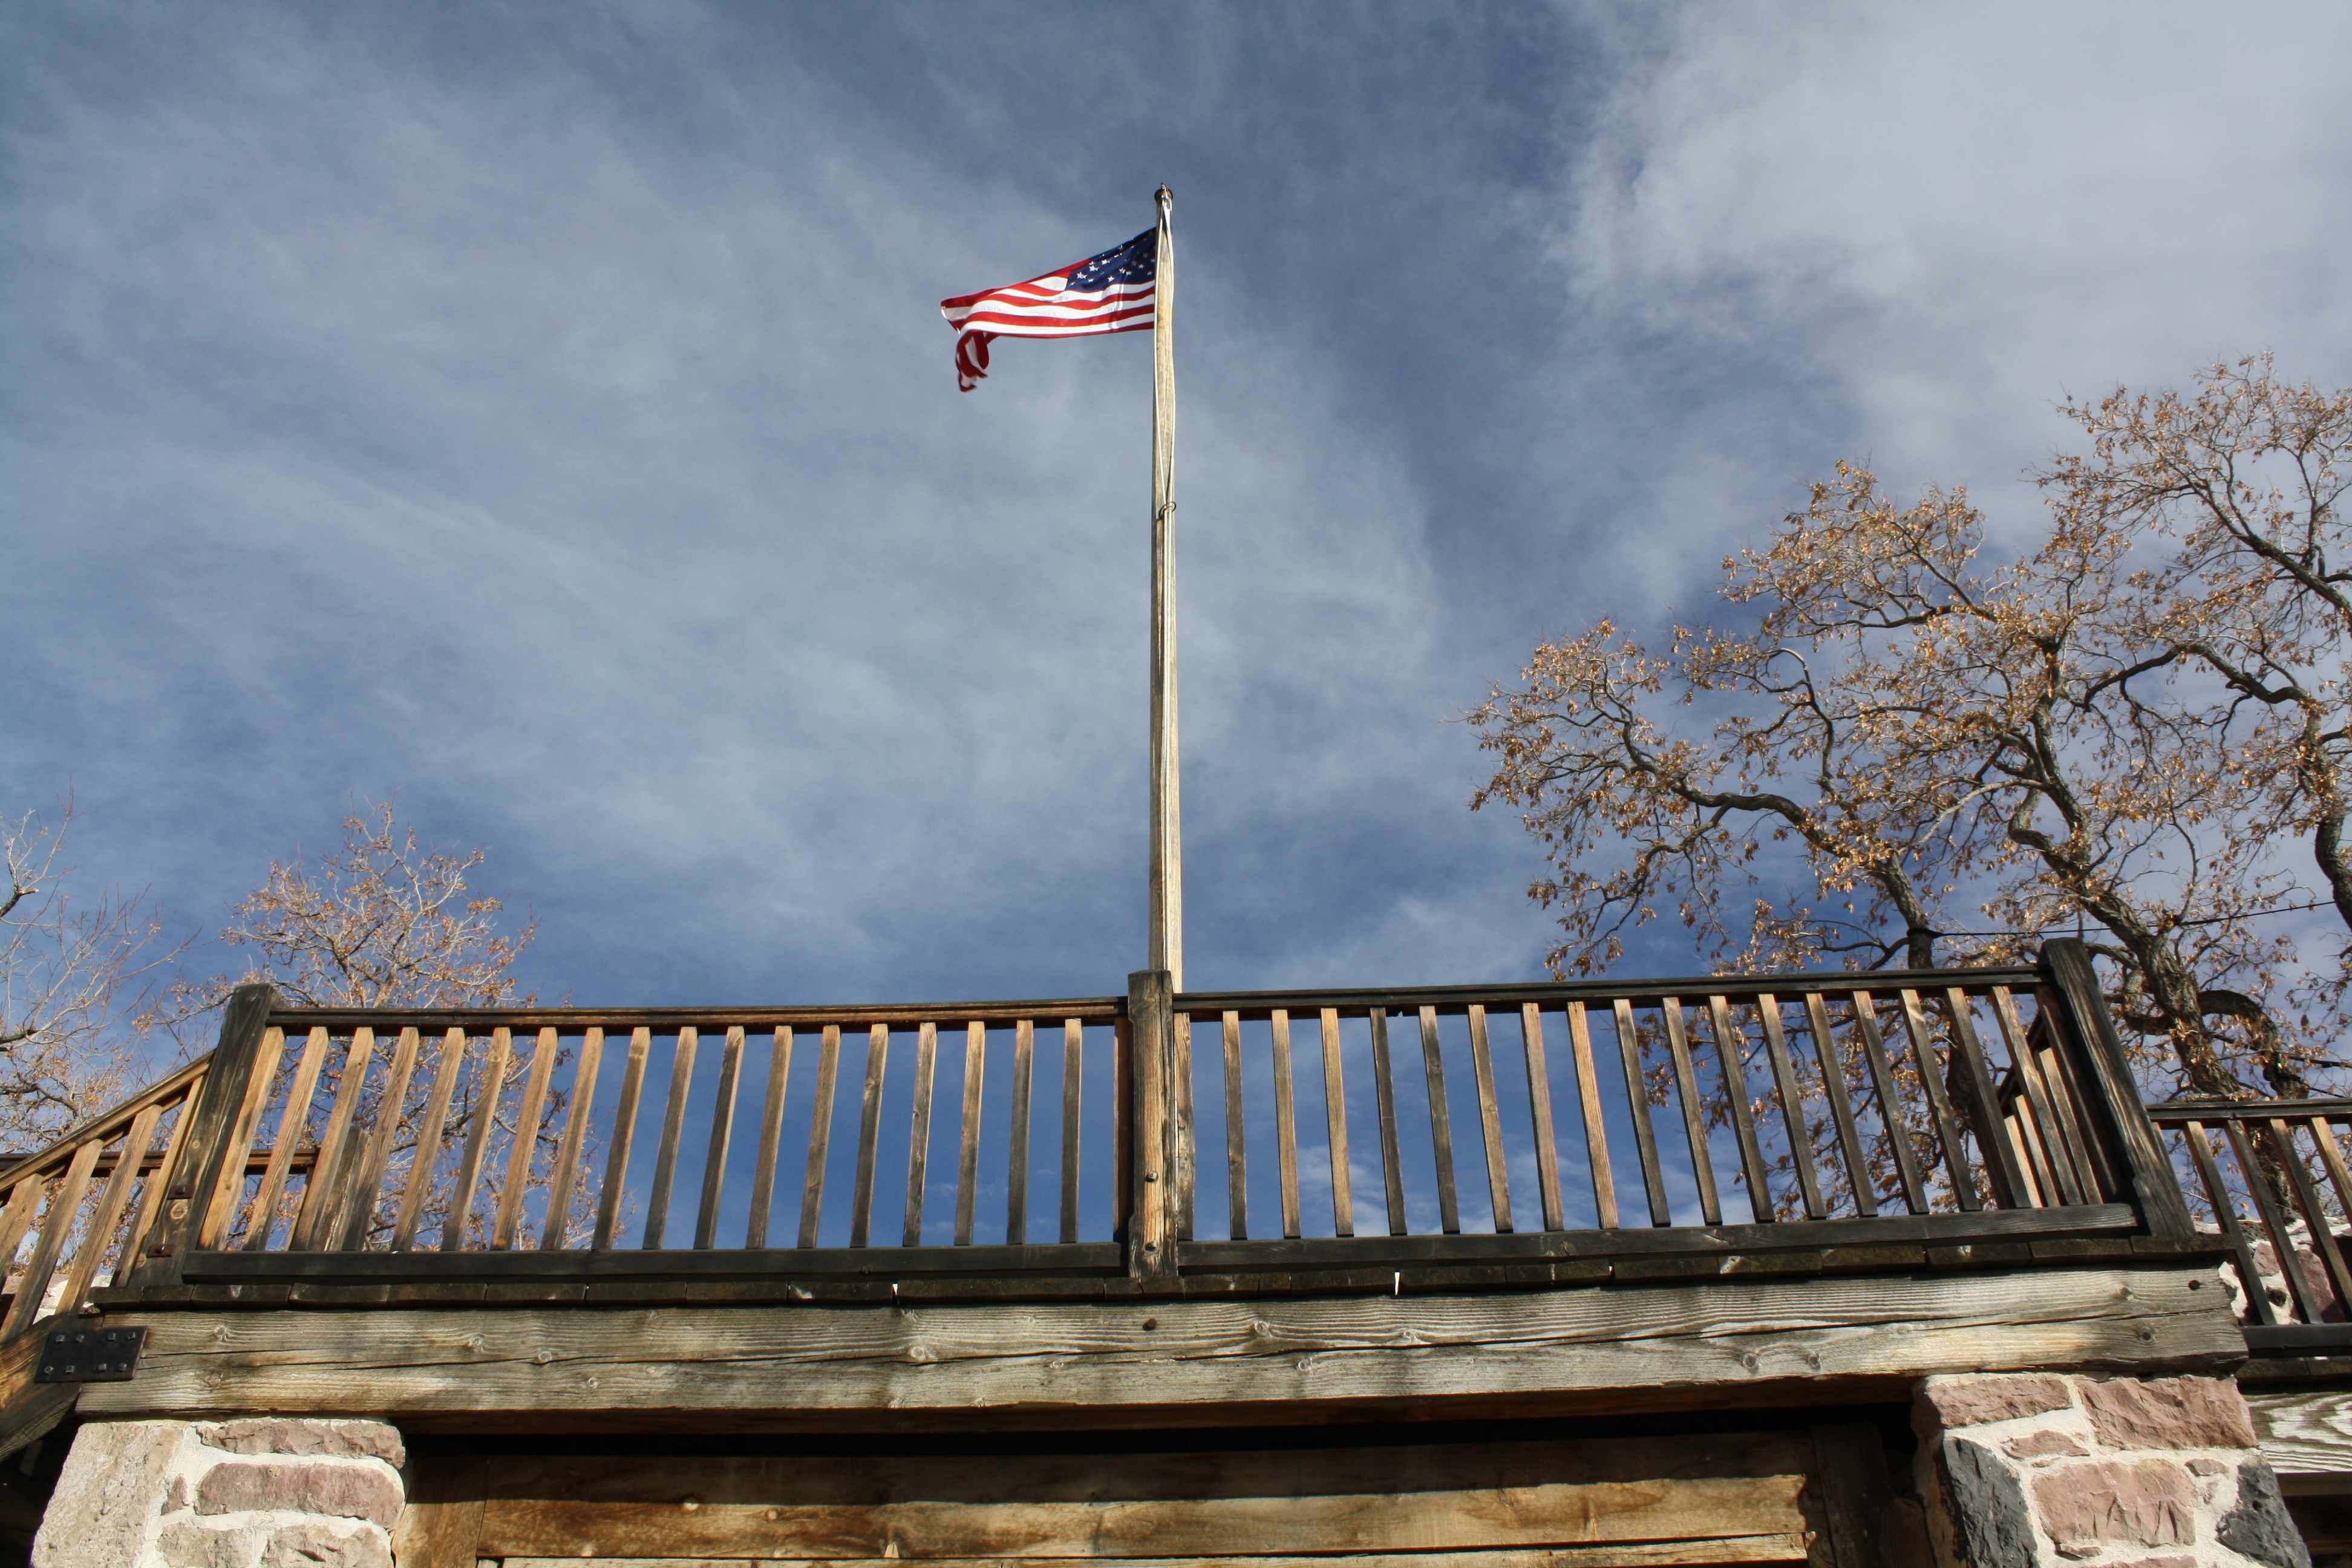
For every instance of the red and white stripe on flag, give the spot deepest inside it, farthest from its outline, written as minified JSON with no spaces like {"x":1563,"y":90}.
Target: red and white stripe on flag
{"x":1111,"y":292}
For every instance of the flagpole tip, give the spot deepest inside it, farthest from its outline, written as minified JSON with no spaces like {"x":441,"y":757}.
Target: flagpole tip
{"x":1163,"y":197}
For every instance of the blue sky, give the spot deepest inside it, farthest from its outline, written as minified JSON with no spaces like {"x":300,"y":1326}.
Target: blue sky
{"x":539,"y":414}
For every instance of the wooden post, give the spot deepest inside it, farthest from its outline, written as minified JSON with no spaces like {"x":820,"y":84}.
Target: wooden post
{"x":1167,"y":834}
{"x":212,"y":1129}
{"x":1151,"y":1020}
{"x":2066,"y":963}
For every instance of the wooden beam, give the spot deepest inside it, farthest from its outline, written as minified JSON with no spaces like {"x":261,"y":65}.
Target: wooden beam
{"x":1169,"y":1361}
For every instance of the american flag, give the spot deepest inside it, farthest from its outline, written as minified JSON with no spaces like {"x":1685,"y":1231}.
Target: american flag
{"x":1111,"y":292}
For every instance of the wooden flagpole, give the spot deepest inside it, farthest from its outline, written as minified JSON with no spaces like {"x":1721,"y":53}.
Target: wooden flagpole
{"x":1167,"y":834}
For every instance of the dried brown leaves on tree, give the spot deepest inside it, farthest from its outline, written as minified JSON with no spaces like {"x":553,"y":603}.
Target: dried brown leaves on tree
{"x":67,"y":975}
{"x":382,"y":922}
{"x":1909,"y":742}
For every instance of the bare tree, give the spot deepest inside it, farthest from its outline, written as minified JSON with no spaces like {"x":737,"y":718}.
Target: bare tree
{"x":68,"y":975}
{"x":1906,"y":732}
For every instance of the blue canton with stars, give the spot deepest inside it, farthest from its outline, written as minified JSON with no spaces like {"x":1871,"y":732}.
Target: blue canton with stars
{"x":1137,"y":261}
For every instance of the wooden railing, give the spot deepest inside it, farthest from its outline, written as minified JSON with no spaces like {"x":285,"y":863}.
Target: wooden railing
{"x":1512,"y":1125}
{"x":2264,"y":1171}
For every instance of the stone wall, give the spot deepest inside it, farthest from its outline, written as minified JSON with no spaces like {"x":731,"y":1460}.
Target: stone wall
{"x":2051,"y":1471}
{"x":265,"y":1493}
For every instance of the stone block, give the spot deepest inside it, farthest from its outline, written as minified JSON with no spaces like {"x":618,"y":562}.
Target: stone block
{"x":1973,"y":1401}
{"x":307,"y":1438}
{"x":2136,"y":1502}
{"x":2170,"y":1413}
{"x":2259,"y":1527}
{"x":339,"y":1488}
{"x":105,"y":1500}
{"x":187,"y":1543}
{"x":1987,"y":1508}
{"x":314,"y":1546}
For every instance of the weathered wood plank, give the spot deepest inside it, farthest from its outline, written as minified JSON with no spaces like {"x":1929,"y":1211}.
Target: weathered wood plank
{"x":1286,"y":1123}
{"x":108,"y":1218}
{"x":65,"y":1207}
{"x":357,"y":1221}
{"x":1637,"y":1099}
{"x":246,"y":1127}
{"x":1730,"y":1048}
{"x":1670,"y":1013}
{"x":771,"y":1136}
{"x":673,"y":1130}
{"x":919,"y":1134}
{"x":624,"y":1133}
{"x":1241,"y":1360}
{"x":1624,"y":1554}
{"x":1857,"y":1166}
{"x":1441,"y":1124}
{"x":1792,"y":1105}
{"x":1236,"y":1148}
{"x":1073,"y":1066}
{"x":828,"y":1078}
{"x":975,"y":1063}
{"x":2304,"y":1433}
{"x":722,"y":1136}
{"x":1891,"y":1110}
{"x":1531,"y":1047}
{"x":869,"y":1134}
{"x":290,"y":1120}
{"x":487,"y":1090}
{"x":1016,"y":1142}
{"x":1490,"y":1121}
{"x":525,"y":1146}
{"x":1596,"y":1130}
{"x":576,"y":1117}
{"x":1335,"y":1126}
{"x":1148,"y":1507}
{"x":413,"y":1190}
{"x":1384,"y":1104}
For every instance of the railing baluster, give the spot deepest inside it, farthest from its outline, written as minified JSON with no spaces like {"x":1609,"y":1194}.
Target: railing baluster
{"x":1729,"y":1046}
{"x":488,"y":1089}
{"x":1016,"y":1174}
{"x":358,"y":1218}
{"x":290,"y":1120}
{"x":772,"y":1137}
{"x":673,"y":1129}
{"x":2281,"y":1239}
{"x":2074,"y":1109}
{"x":869,"y":1134}
{"x":919,"y":1132}
{"x":525,"y":1147}
{"x":1490,"y":1120}
{"x":151,"y":1211}
{"x":107,"y":1220}
{"x":2000,"y":1159}
{"x":16,"y":1217}
{"x":322,"y":1193}
{"x":975,"y":1064}
{"x":1596,"y":1130}
{"x":624,"y":1135}
{"x":2314,"y":1214}
{"x":1123,"y":1096}
{"x":65,"y":1207}
{"x":1286,"y":1122}
{"x":1817,"y":1021}
{"x":566,"y":1175}
{"x":1441,"y":1124}
{"x":1184,"y":1160}
{"x":2041,"y":1179}
{"x":828,"y":1078}
{"x":2233,"y":1230}
{"x":1710,"y":1206}
{"x":1531,"y":1050}
{"x":1237,"y":1155}
{"x":1893,"y":1113}
{"x":2068,"y":1163}
{"x":1384,"y":1101}
{"x":1637,"y":1095}
{"x":222,"y":1212}
{"x":412,"y":1191}
{"x":2339,"y":1175}
{"x":1792,"y":1105}
{"x":1073,"y":1066}
{"x":722,"y":1135}
{"x":1955,"y":1155}
{"x":1335,"y":1127}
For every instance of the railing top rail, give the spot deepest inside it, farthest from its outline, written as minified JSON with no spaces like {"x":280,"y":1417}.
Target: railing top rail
{"x":108,"y":1122}
{"x":570,"y":1020}
{"x":1687,"y":987}
{"x":2172,"y":1112}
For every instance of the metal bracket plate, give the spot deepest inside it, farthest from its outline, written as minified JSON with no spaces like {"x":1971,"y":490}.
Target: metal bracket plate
{"x":89,"y":1355}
